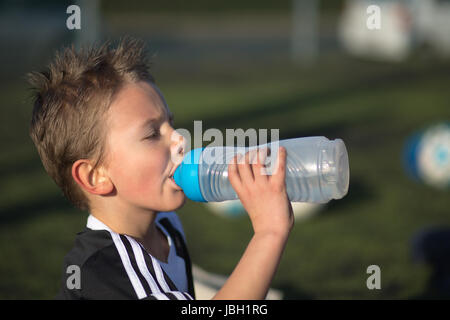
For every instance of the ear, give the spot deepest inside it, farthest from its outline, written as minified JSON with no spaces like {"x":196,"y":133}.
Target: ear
{"x":93,"y":181}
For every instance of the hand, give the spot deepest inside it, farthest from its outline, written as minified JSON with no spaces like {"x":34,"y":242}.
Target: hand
{"x":263,"y":196}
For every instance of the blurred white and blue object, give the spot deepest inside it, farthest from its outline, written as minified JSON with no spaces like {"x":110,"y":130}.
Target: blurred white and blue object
{"x":427,"y":156}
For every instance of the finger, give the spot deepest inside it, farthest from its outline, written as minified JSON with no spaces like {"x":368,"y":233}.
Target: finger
{"x":265,"y":160}
{"x":280,"y":166}
{"x":233,"y":174}
{"x":259,"y":169}
{"x":245,"y":171}
{"x":253,"y":158}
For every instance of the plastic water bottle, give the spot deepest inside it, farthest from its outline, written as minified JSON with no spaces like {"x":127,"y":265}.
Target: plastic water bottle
{"x":317,"y":170}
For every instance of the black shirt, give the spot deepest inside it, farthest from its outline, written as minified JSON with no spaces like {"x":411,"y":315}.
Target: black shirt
{"x":107,"y":265}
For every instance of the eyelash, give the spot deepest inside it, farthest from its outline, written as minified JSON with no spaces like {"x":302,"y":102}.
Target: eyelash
{"x":154,"y":135}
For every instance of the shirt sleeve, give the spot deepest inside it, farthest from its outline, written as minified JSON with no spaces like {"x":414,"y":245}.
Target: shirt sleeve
{"x":101,"y":277}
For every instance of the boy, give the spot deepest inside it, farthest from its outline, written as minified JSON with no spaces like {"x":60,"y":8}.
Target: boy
{"x":104,"y":133}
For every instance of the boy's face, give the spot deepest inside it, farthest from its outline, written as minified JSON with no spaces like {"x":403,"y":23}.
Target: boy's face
{"x":142,"y":147}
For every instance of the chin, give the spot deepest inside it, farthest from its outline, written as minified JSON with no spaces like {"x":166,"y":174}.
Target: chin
{"x":181,"y":202}
{"x":176,"y":202}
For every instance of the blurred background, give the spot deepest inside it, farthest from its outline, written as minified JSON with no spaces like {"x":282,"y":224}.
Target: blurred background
{"x":305,"y":67}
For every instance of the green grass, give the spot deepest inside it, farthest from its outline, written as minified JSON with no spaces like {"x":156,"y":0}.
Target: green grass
{"x":372,"y":107}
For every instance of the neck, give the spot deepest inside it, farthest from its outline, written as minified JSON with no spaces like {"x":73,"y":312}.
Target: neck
{"x":138,"y":223}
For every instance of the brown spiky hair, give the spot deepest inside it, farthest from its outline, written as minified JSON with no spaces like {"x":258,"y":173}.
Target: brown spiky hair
{"x":71,"y":99}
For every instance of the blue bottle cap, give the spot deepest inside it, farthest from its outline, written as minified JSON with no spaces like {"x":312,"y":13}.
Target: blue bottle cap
{"x":186,"y":175}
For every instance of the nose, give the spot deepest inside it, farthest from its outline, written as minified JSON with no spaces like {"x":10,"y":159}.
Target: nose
{"x":178,"y":147}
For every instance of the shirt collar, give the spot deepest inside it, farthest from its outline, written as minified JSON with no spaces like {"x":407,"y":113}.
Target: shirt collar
{"x":94,"y":224}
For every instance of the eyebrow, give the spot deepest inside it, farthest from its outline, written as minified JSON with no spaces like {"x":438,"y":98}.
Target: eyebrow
{"x":154,"y":121}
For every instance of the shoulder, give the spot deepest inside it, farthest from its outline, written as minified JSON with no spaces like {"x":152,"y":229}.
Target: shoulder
{"x":93,"y":270}
{"x":88,"y":243}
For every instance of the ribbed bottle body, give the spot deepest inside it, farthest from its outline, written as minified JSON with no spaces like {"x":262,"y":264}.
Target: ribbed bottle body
{"x":316,"y":169}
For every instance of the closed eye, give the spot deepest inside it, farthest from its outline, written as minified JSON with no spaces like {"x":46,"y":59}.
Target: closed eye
{"x":154,"y":134}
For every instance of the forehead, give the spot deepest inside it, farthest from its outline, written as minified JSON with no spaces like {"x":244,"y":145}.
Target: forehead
{"x":134,"y":104}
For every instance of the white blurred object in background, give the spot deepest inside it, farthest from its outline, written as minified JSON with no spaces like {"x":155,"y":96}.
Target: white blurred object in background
{"x":207,"y":284}
{"x":392,"y":41}
{"x":404,"y":26}
{"x":234,"y":208}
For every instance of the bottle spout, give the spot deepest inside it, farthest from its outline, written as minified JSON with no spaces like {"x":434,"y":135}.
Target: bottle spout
{"x":186,"y":175}
{"x":177,"y":176}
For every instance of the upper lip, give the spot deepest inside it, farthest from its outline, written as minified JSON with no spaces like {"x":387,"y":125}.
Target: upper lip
{"x":172,"y":172}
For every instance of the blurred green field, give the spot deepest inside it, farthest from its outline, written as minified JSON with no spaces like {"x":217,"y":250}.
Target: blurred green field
{"x":373,"y":107}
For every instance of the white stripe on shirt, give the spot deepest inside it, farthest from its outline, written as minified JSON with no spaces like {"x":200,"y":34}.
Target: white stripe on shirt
{"x":137,"y":285}
{"x":159,"y":274}
{"x":137,"y":250}
{"x":160,"y":296}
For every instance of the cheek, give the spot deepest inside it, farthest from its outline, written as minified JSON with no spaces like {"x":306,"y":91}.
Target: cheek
{"x":139,"y":173}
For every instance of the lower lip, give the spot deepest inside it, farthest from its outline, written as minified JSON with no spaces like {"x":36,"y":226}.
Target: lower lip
{"x":174,"y":184}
